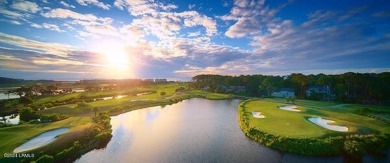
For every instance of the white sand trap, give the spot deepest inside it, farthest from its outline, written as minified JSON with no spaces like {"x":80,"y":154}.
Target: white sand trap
{"x":257,"y":115}
{"x":289,"y":108}
{"x":40,"y":140}
{"x":325,"y":124}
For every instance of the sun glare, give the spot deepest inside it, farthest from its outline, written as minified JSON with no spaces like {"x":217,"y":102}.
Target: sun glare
{"x":114,"y":55}
{"x":115,"y":58}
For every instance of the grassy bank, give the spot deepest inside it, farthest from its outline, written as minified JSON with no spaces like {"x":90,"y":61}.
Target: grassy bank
{"x":14,"y":136}
{"x":292,"y":132}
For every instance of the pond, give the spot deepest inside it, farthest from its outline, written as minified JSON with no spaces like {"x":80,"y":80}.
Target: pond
{"x":6,"y":96}
{"x":10,"y":119}
{"x":195,"y":130}
{"x":40,"y":140}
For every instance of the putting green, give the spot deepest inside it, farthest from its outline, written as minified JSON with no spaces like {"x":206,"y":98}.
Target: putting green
{"x":296,"y":124}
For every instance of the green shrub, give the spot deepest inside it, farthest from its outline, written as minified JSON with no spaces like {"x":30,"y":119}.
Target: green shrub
{"x":354,"y":148}
{"x":28,"y":114}
{"x":84,"y":107}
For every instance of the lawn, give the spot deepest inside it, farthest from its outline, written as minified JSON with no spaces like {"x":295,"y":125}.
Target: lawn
{"x":106,"y":105}
{"x":295,"y":124}
{"x":13,"y":136}
{"x":208,"y":95}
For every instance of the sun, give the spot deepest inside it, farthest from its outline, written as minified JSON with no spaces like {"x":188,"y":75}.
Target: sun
{"x":117,"y":58}
{"x":115,"y":61}
{"x":114,"y":55}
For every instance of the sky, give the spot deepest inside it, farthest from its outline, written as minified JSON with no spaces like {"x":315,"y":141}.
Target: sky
{"x":97,"y":39}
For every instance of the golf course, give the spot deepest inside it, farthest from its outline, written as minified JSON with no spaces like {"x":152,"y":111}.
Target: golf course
{"x":319,"y":124}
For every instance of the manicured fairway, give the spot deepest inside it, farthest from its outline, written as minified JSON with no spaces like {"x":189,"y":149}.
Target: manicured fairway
{"x":13,"y":136}
{"x":295,"y":124}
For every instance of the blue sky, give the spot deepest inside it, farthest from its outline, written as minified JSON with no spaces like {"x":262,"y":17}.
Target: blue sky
{"x":89,"y":39}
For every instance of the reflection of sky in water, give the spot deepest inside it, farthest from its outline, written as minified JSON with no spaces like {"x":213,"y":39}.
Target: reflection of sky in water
{"x":195,"y":130}
{"x":11,"y":119}
{"x":152,"y":114}
{"x":5,"y":96}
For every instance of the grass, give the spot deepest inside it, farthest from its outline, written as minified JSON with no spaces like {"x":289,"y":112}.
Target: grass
{"x":13,"y":136}
{"x":281,"y":122}
{"x":107,"y":105}
{"x":208,"y":95}
{"x":295,"y":124}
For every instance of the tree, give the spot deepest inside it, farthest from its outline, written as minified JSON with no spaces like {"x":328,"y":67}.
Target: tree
{"x":163,"y":93}
{"x":25,"y":100}
{"x":180,"y":89}
{"x":28,"y":114}
{"x":267,"y":84}
{"x":301,"y":80}
{"x":83,"y":107}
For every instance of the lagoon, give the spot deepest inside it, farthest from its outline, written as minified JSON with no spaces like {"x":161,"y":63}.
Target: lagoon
{"x":195,"y":130}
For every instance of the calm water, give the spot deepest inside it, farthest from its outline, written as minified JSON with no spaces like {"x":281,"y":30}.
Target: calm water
{"x":195,"y":130}
{"x":5,"y":96}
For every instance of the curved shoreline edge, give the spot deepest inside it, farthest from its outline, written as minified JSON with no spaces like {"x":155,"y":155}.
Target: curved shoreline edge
{"x":354,"y":145}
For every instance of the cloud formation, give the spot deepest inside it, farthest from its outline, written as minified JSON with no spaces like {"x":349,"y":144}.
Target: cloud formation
{"x":182,"y":39}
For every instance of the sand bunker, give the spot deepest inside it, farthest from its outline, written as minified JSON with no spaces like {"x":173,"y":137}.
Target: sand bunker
{"x":257,"y":115}
{"x":289,"y":108}
{"x":40,"y":140}
{"x":325,"y":124}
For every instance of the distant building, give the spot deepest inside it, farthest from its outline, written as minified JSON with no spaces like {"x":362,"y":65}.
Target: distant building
{"x":318,"y":89}
{"x":160,"y":80}
{"x":149,"y":80}
{"x":284,"y":92}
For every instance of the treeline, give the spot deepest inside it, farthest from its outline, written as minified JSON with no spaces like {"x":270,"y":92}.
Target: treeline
{"x":348,"y":87}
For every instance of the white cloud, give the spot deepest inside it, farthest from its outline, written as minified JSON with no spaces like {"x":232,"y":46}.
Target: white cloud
{"x":142,"y":7}
{"x":65,"y":13}
{"x":51,"y":48}
{"x":52,"y":27}
{"x":94,"y":2}
{"x":11,"y":14}
{"x":14,"y":22}
{"x":25,"y":6}
{"x":194,"y":34}
{"x":251,"y":17}
{"x":67,"y":5}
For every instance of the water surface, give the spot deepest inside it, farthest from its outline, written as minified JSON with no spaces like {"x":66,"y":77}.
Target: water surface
{"x":195,"y":130}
